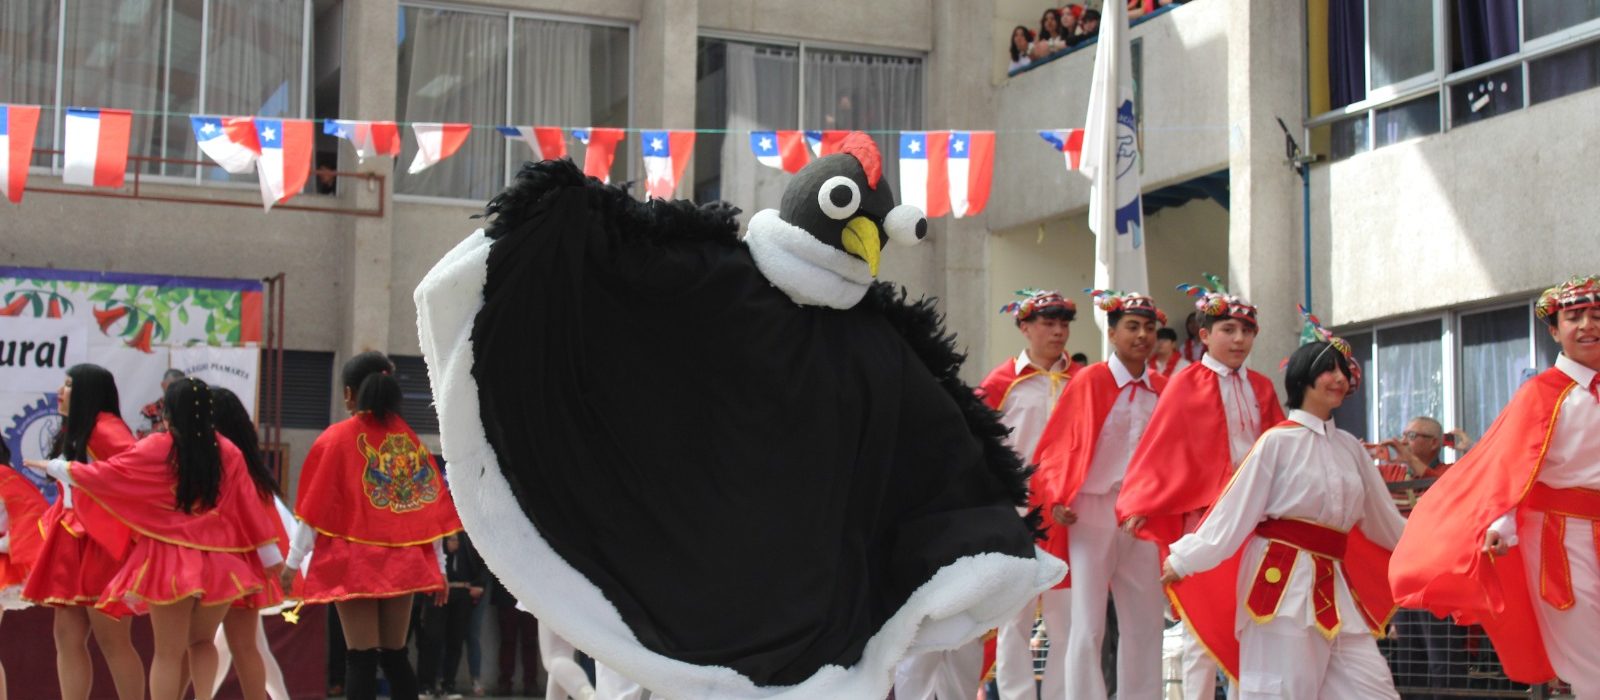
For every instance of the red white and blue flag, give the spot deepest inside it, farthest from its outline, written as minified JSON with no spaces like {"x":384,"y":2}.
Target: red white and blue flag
{"x":784,"y":150}
{"x":600,"y":150}
{"x":1069,"y":142}
{"x":369,"y":138}
{"x":825,"y":143}
{"x":285,"y":158}
{"x":971,"y":162}
{"x":925,"y":172}
{"x":17,"y":126}
{"x":436,"y":142}
{"x":665,"y":155}
{"x":547,"y":142}
{"x":230,"y":141}
{"x":96,"y":146}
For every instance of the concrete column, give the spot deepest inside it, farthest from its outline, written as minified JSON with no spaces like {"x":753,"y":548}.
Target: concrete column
{"x":1266,"y":74}
{"x":664,"y":73}
{"x":960,"y":95}
{"x":367,"y":91}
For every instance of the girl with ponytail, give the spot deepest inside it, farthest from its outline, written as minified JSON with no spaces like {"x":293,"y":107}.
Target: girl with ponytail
{"x":72,"y":569}
{"x":204,"y":541}
{"x":375,"y":507}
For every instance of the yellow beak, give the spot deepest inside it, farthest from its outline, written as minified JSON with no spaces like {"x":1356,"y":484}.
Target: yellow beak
{"x":862,"y":240}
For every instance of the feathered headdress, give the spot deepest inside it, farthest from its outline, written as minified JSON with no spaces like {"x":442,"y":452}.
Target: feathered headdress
{"x":1575,"y":293}
{"x":1110,"y":300}
{"x":1313,"y":332}
{"x":1217,"y":302}
{"x":1035,"y":300}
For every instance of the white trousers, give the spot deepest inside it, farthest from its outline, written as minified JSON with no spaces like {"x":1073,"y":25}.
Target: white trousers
{"x":1013,"y":661}
{"x":1199,"y":669}
{"x":1106,"y":560}
{"x":276,"y":688}
{"x":941,"y":675}
{"x":564,"y":677}
{"x":1568,"y":634}
{"x":1285,"y":659}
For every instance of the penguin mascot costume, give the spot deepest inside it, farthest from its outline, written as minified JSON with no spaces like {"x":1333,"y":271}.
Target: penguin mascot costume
{"x":724,"y":467}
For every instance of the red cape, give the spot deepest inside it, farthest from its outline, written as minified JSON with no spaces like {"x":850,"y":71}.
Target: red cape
{"x":24,"y":504}
{"x":1183,"y":461}
{"x":110,"y":437}
{"x":1209,"y":601}
{"x":374,"y":483}
{"x":997,"y":386}
{"x":136,"y":489}
{"x":1067,"y":447}
{"x":1440,"y":564}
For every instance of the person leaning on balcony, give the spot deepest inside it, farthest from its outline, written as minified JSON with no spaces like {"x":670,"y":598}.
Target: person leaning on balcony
{"x":1021,"y":44}
{"x":1053,"y":35}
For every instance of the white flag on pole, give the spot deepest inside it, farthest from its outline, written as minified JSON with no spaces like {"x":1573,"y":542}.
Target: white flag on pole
{"x":1111,"y":162}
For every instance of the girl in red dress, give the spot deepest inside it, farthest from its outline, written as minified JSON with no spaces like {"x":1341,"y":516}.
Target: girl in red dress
{"x":202,"y":540}
{"x":375,"y":506}
{"x":21,"y":504}
{"x":73,"y":569}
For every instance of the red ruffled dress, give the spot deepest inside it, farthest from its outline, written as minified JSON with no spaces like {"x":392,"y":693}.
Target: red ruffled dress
{"x":378,"y":502}
{"x":72,"y":568}
{"x":23,"y":507}
{"x":210,"y":554}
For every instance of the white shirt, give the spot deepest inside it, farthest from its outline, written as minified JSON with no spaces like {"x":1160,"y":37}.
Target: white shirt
{"x":1310,"y":471}
{"x":1124,"y":426}
{"x":1239,"y":405}
{"x":1573,"y":457}
{"x":1027,"y":406}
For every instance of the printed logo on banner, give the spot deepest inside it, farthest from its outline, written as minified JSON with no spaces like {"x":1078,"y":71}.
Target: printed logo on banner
{"x":28,"y":435}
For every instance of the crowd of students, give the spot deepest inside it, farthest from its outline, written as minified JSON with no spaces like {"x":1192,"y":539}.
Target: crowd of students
{"x":1062,"y":28}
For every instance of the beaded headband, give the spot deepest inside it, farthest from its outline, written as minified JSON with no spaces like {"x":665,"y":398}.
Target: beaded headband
{"x":1035,"y":300}
{"x":1313,"y":332}
{"x":1575,"y":293}
{"x":1217,"y":302}
{"x":1111,"y":300}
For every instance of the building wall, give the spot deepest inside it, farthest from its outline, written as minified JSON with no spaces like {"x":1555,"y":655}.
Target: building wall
{"x":1500,"y":208}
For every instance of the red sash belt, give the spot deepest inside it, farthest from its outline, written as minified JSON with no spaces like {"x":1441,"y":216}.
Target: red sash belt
{"x":1558,"y":505}
{"x":1285,"y":540}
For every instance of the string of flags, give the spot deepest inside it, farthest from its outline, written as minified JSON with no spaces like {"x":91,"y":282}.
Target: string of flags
{"x":942,"y":172}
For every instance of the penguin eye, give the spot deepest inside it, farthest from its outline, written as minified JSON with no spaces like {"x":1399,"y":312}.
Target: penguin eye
{"x":839,"y":197}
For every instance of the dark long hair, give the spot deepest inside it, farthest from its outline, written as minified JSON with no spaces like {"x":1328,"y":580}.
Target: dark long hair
{"x":233,"y":421}
{"x":1026,"y":34}
{"x":1307,"y":363}
{"x":1061,"y":30}
{"x":94,"y":391}
{"x":370,"y":376}
{"x":196,"y":458}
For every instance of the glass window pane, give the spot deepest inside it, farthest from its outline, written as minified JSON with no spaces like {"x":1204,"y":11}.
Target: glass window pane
{"x":1410,"y":367}
{"x":1494,"y":353}
{"x":452,"y":68}
{"x":183,"y":86}
{"x":572,"y":75}
{"x":1406,"y":121}
{"x":1545,"y":346}
{"x":253,"y":57}
{"x":876,"y":94}
{"x":1549,"y":16}
{"x":1400,"y":40}
{"x":1351,"y":416}
{"x":1564,"y":73}
{"x":110,"y":61}
{"x":1482,"y":31}
{"x":743,"y":87}
{"x":1348,"y":137}
{"x":1485,"y":97}
{"x":28,"y":33}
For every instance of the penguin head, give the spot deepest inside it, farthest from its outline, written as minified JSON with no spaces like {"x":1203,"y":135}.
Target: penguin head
{"x":843,"y":201}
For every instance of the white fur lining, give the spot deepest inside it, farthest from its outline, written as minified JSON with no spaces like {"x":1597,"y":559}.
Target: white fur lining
{"x":959,"y":603}
{"x":806,"y":269}
{"x":11,"y":598}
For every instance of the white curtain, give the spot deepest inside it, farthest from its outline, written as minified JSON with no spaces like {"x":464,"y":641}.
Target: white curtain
{"x":1494,"y":353}
{"x":114,"y":59}
{"x":252,"y":63}
{"x":452,"y":68}
{"x":762,"y":94}
{"x":1410,"y":376}
{"x":28,"y":31}
{"x":866,"y":92}
{"x":552,"y":79}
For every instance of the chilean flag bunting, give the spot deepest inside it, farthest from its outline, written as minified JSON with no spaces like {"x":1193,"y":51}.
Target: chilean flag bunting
{"x":547,"y":142}
{"x":230,"y":141}
{"x":285,"y":158}
{"x":17,"y":126}
{"x":369,"y":138}
{"x":665,"y":155}
{"x":784,"y":150}
{"x":925,"y":172}
{"x":601,"y":150}
{"x":96,"y":145}
{"x":436,"y":142}
{"x":971,"y":162}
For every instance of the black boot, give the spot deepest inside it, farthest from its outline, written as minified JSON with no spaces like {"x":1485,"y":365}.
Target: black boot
{"x":397,"y":668}
{"x":361,"y":674}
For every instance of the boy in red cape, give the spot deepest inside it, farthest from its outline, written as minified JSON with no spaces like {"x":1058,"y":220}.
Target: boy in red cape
{"x":1082,"y":458}
{"x":1024,"y":389}
{"x":1507,"y":538}
{"x":1208,"y":417}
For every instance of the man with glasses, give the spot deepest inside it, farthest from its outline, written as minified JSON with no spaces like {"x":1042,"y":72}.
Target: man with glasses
{"x":1419,"y":447}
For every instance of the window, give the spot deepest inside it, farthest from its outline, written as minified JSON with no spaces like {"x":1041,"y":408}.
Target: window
{"x":1409,"y":369}
{"x":1397,"y":51}
{"x":416,"y":394}
{"x":1564,"y":73}
{"x":1546,"y":17}
{"x":163,"y":59}
{"x":307,"y":388}
{"x":1406,"y":121}
{"x":745,"y":86}
{"x":488,"y":69}
{"x":1351,"y":415}
{"x":1494,"y":353}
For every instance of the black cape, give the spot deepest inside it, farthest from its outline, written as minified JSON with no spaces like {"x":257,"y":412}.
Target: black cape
{"x":752,"y":484}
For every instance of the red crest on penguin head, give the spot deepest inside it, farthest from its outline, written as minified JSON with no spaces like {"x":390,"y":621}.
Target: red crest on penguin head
{"x":865,"y":150}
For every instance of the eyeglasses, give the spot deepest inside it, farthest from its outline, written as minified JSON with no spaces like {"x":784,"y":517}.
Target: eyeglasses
{"x":1412,"y":435}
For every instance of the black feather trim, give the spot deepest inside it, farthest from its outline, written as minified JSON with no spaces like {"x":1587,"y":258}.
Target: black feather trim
{"x":518,"y":208}
{"x":922,"y":327}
